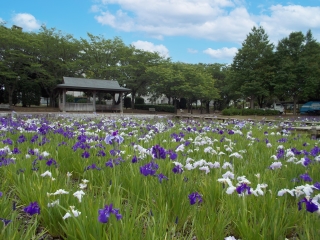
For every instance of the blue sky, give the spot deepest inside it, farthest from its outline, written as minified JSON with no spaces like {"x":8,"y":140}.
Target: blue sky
{"x":191,"y":31}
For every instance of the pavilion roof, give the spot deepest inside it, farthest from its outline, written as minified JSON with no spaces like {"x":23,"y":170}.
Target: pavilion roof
{"x":74,"y":84}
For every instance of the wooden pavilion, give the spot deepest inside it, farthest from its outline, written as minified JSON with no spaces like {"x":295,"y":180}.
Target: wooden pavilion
{"x":90,"y":85}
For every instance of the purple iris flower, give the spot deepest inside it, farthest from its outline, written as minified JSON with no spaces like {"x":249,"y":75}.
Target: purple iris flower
{"x":306,"y":161}
{"x":32,"y":208}
{"x":114,"y":137}
{"x":315,"y":151}
{"x":158,"y":152}
{"x":194,"y":198}
{"x":16,"y":151}
{"x":21,"y":139}
{"x":230,"y":132}
{"x":93,"y":166}
{"x":149,"y":169}
{"x":177,"y":169}
{"x":310,"y":206}
{"x":114,"y":152}
{"x":161,"y":177}
{"x":104,"y":213}
{"x":305,"y":177}
{"x":51,"y":161}
{"x":187,"y":143}
{"x":280,"y":153}
{"x":172,"y":155}
{"x":282,"y":140}
{"x":243,"y":188}
{"x":295,"y":151}
{"x":101,"y":153}
{"x":317,"y":185}
{"x":7,"y":141}
{"x":134,"y":159}
{"x":85,"y":154}
{"x":5,"y":221}
{"x":109,"y":163}
{"x":1,"y":194}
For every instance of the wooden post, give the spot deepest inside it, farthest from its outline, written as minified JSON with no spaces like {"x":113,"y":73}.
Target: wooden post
{"x":94,"y":101}
{"x":64,"y":100}
{"x":121,"y":103}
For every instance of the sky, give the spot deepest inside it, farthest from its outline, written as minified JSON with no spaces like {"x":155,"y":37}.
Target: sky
{"x":190,"y":31}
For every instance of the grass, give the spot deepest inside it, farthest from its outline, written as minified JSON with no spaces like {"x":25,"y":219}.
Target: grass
{"x":150,"y":208}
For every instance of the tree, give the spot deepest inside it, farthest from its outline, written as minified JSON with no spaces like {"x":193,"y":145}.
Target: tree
{"x":253,"y":68}
{"x":101,"y":57}
{"x":60,"y":55}
{"x":133,"y":70}
{"x":298,"y":61}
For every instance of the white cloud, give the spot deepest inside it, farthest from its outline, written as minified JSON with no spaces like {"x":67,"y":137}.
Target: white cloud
{"x":94,"y":8}
{"x":216,"y":20}
{"x":150,"y":47}
{"x":27,"y":21}
{"x":282,"y":20}
{"x":197,"y":18}
{"x":222,"y":53}
{"x":190,"y":50}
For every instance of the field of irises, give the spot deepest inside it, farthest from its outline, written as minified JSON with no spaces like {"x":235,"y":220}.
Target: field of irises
{"x":157,"y":178}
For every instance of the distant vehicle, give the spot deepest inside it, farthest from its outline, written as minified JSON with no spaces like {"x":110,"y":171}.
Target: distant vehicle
{"x":277,"y":107}
{"x":312,"y":107}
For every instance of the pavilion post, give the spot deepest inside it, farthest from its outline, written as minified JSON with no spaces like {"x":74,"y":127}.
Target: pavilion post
{"x":121,"y":103}
{"x":94,"y":101}
{"x":64,"y":100}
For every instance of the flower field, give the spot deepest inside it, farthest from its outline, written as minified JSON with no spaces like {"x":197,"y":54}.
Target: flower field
{"x":157,"y":178}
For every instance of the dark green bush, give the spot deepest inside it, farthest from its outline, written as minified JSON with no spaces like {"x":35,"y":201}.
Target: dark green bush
{"x":127,"y":102}
{"x":183,"y":103}
{"x":247,"y":112}
{"x":159,"y":108}
{"x":139,"y":100}
{"x":69,"y":98}
{"x":82,"y":100}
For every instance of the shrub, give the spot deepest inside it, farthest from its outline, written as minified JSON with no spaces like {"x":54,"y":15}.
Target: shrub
{"x":127,"y":102}
{"x":246,"y":112}
{"x":183,"y":103}
{"x":139,"y":100}
{"x":69,"y":98}
{"x":159,"y":108}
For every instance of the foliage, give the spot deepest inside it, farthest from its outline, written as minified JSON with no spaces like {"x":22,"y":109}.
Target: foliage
{"x":70,"y":98}
{"x":158,"y":108}
{"x":252,"y":69}
{"x":298,"y":61}
{"x":183,"y":103}
{"x":139,"y":100}
{"x":157,"y":178}
{"x":248,"y":112}
{"x":127,"y":102}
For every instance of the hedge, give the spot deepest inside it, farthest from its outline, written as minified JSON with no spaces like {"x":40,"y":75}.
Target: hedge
{"x":159,"y":108}
{"x":246,"y":112}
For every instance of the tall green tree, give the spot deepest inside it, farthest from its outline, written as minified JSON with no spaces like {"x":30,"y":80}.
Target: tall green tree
{"x":298,"y":61}
{"x":60,"y":55}
{"x":102,"y":56}
{"x":18,"y":55}
{"x":253,"y":67}
{"x":133,"y":70}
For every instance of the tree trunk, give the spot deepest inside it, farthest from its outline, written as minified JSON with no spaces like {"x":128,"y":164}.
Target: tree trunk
{"x":252,"y":102}
{"x":10,"y":93}
{"x":294,"y":105}
{"x":133,"y":95}
{"x":208,"y":107}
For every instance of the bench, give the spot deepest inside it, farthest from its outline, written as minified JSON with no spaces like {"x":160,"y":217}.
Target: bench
{"x":5,"y":106}
{"x":152,"y":110}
